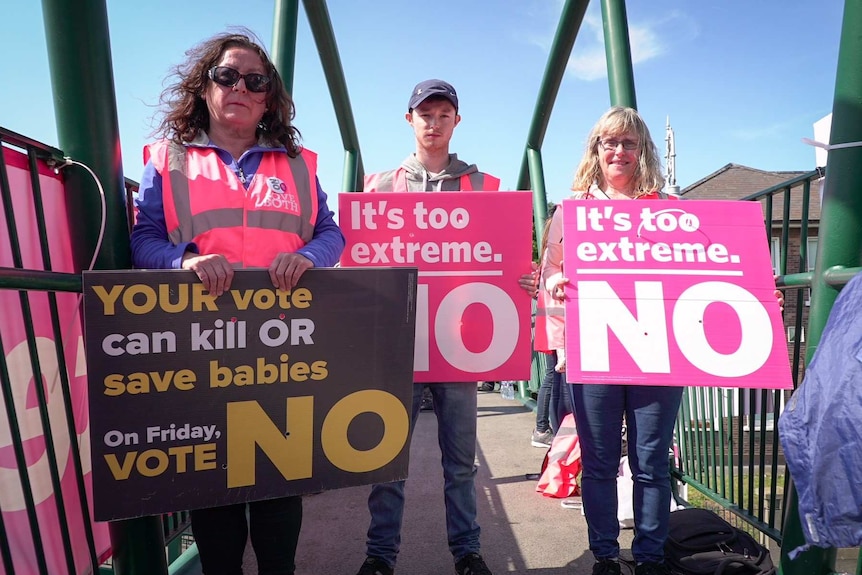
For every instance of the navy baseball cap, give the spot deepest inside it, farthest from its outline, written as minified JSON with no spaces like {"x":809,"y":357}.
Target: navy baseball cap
{"x":428,"y":88}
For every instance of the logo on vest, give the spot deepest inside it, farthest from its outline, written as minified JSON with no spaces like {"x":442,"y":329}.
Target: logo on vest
{"x":276,"y":186}
{"x":278,"y":196}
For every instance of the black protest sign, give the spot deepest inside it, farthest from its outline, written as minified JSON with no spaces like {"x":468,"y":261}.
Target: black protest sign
{"x":197,"y":401}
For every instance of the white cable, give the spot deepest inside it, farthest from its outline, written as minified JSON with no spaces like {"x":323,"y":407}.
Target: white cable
{"x":67,"y":161}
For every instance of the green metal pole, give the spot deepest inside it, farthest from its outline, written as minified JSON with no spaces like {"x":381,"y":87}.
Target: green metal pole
{"x":138,"y":546}
{"x":839,"y":243}
{"x":284,"y":23}
{"x":540,"y":202}
{"x":618,"y":53}
{"x":351,"y":180}
{"x":564,"y":39}
{"x":79,"y":56}
{"x":327,"y":48}
{"x":840,"y":235}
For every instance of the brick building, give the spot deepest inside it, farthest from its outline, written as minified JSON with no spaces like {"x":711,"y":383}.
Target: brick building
{"x":735,"y":182}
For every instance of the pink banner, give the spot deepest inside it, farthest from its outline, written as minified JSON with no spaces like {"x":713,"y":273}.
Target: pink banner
{"x":472,"y":318}
{"x":19,"y":364}
{"x":671,"y":293}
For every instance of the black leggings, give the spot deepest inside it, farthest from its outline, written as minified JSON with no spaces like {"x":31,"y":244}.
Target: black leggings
{"x":221,"y":534}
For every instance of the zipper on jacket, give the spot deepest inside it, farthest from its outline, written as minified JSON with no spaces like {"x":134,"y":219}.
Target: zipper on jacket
{"x":241,"y":175}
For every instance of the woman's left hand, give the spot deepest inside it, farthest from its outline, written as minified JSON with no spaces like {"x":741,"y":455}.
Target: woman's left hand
{"x":286,"y":269}
{"x":779,"y":295}
{"x":530,"y":282}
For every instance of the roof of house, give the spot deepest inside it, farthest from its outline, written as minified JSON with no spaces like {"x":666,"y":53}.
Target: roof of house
{"x":735,"y":181}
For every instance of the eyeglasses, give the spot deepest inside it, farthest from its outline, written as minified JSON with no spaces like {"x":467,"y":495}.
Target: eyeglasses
{"x":228,"y":77}
{"x":610,"y":145}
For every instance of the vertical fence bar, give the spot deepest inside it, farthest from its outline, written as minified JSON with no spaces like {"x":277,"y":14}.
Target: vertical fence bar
{"x":740,"y":445}
{"x":773,"y":469}
{"x":710,"y":430}
{"x":749,"y":499}
{"x":731,"y":468}
{"x":785,"y":232}
{"x":6,"y":381}
{"x":761,"y":464}
{"x":722,"y":471}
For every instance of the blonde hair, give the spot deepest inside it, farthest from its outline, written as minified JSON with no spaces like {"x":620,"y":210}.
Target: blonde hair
{"x":617,"y":121}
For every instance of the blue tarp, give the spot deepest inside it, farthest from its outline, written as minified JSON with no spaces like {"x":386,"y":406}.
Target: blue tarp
{"x":821,"y":430}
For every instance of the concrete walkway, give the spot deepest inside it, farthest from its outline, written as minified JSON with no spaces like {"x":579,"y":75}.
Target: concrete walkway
{"x":522,"y":531}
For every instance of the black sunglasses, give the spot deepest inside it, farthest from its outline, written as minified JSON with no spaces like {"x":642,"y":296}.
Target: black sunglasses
{"x":228,"y":77}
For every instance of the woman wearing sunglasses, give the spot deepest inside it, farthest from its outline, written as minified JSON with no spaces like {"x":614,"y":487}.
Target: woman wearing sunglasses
{"x":228,"y":186}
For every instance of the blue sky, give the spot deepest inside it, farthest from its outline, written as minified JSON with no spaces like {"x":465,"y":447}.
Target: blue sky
{"x":741,"y":81}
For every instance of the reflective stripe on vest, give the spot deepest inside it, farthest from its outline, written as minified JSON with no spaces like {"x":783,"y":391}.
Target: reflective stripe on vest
{"x":396,"y":181}
{"x":550,"y":326}
{"x":205,"y":203}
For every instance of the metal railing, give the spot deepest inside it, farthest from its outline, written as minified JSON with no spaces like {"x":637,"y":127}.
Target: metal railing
{"x":38,"y":286}
{"x":43,"y":279}
{"x":729,"y":450}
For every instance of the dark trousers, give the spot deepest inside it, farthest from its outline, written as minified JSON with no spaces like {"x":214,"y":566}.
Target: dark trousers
{"x":554,"y":400}
{"x":543,"y":397}
{"x":221,"y":534}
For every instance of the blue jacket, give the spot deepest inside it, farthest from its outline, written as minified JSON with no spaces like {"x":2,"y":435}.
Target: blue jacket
{"x":821,"y":430}
{"x":151,"y":248}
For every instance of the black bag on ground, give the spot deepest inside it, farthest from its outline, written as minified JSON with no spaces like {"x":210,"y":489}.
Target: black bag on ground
{"x":702,"y":543}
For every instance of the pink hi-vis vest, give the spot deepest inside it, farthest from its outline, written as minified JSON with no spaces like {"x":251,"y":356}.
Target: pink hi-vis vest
{"x":478,"y":181}
{"x":205,"y":202}
{"x":549,"y":333}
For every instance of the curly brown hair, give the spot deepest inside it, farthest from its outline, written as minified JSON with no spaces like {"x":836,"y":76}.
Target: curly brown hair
{"x":185,"y":111}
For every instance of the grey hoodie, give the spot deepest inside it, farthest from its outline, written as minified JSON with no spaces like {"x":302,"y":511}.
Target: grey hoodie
{"x":418,"y":179}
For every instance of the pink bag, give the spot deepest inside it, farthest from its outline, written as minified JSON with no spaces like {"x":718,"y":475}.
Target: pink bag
{"x":562,"y":464}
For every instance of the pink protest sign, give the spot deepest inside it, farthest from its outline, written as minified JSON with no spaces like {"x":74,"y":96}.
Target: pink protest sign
{"x":472,"y":318}
{"x":671,"y":293}
{"x":28,"y":555}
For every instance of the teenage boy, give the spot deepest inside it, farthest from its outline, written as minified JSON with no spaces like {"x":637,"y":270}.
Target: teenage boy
{"x":432,"y":111}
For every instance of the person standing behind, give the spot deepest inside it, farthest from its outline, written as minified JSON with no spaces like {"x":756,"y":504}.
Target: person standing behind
{"x":620,"y":163}
{"x":230,"y":186}
{"x":432,"y":112}
{"x":554,"y":400}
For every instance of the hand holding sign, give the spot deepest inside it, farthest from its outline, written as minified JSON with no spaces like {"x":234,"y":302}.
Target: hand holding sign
{"x":687,"y":292}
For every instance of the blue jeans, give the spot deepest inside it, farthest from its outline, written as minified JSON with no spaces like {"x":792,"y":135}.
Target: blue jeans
{"x":455,"y":408}
{"x":650,"y":417}
{"x":221,"y":533}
